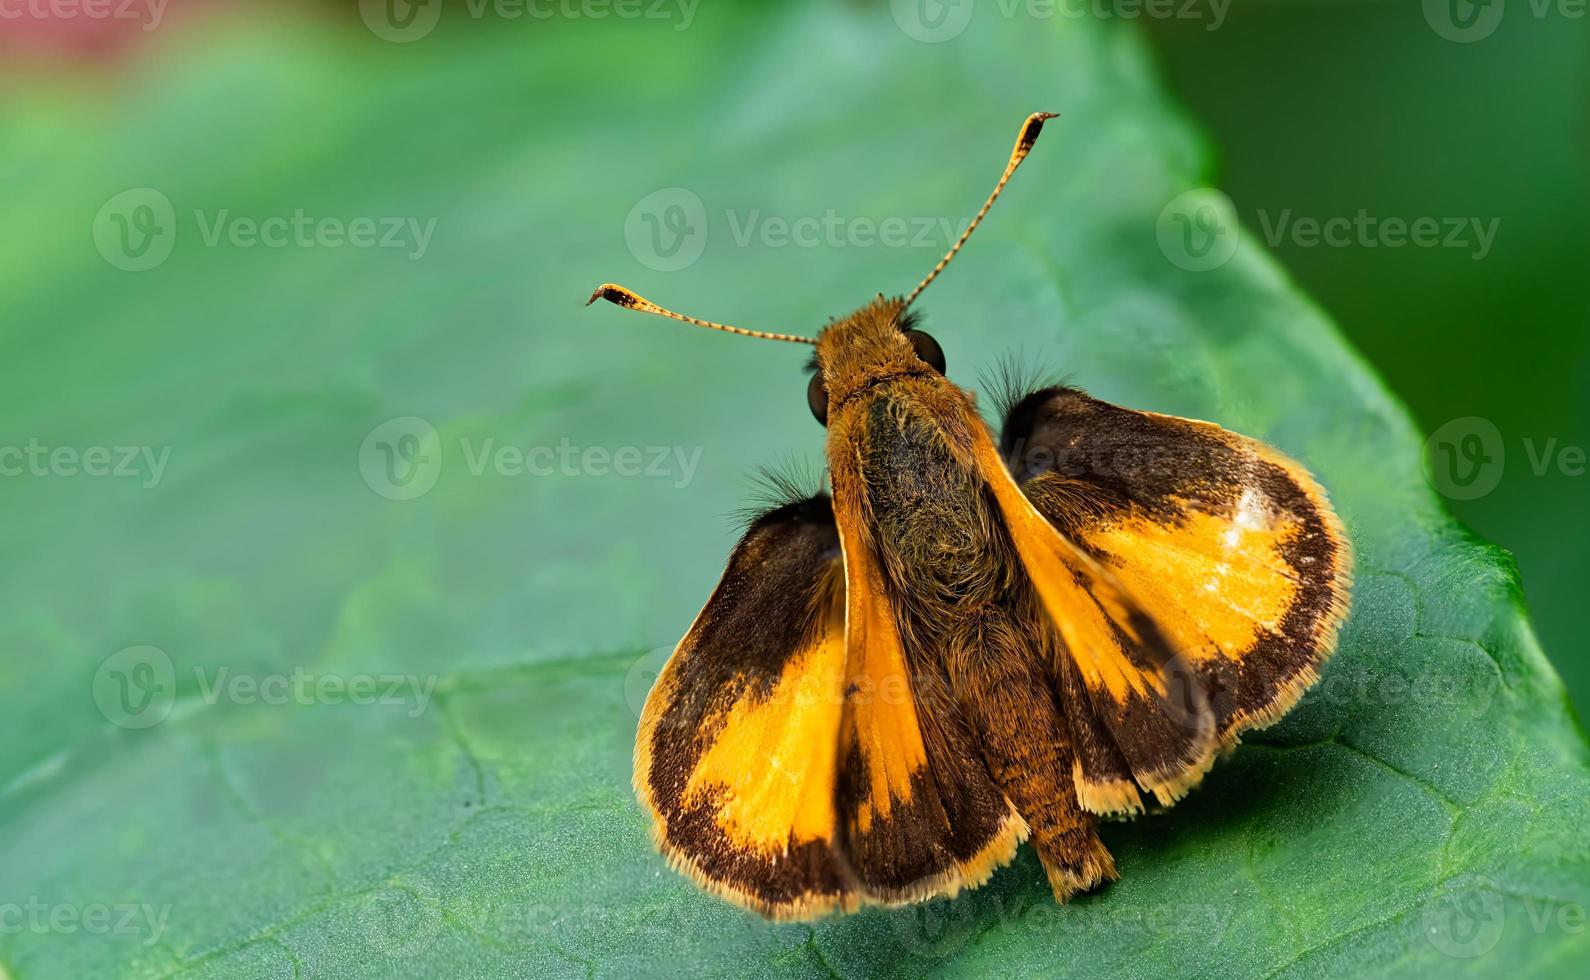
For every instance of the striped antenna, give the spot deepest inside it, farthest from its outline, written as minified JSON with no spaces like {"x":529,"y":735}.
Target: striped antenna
{"x":1024,"y":141}
{"x":617,"y":294}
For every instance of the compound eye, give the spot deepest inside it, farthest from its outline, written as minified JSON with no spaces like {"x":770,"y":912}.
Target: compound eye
{"x":817,"y":398}
{"x":928,"y":349}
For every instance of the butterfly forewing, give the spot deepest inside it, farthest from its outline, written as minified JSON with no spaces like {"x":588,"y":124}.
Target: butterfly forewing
{"x":1233,"y":547}
{"x":737,"y":752}
{"x":784,"y":755}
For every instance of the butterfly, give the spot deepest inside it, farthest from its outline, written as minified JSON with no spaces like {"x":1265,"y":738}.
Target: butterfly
{"x":977,"y":639}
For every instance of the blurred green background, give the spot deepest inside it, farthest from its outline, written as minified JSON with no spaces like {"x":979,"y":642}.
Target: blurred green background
{"x":310,"y":395}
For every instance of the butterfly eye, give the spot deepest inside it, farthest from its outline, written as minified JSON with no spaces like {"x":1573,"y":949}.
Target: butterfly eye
{"x":817,"y":398}
{"x":928,"y":349}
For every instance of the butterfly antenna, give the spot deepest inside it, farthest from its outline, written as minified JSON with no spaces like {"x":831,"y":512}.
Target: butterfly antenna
{"x":631,"y":301}
{"x":1024,"y":141}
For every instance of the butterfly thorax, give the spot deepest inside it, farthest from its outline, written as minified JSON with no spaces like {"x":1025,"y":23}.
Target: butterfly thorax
{"x":903,"y":448}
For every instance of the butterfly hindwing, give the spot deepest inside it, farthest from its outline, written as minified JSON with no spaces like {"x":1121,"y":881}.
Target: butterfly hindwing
{"x":1233,"y":547}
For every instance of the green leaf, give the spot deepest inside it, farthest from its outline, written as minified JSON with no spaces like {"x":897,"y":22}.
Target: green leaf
{"x":1422,"y":811}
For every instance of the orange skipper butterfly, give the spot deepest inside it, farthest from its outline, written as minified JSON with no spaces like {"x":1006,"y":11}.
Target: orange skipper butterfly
{"x":972,"y":641}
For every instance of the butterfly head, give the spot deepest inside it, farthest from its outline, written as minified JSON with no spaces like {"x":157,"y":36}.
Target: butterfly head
{"x":874,"y":345}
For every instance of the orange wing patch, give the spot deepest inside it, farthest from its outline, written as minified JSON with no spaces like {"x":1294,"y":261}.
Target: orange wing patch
{"x":880,"y":720}
{"x":769,"y":775}
{"x":1139,"y":715}
{"x":1214,"y":583}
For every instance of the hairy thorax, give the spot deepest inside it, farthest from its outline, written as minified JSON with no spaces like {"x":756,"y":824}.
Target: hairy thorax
{"x":933,"y":527}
